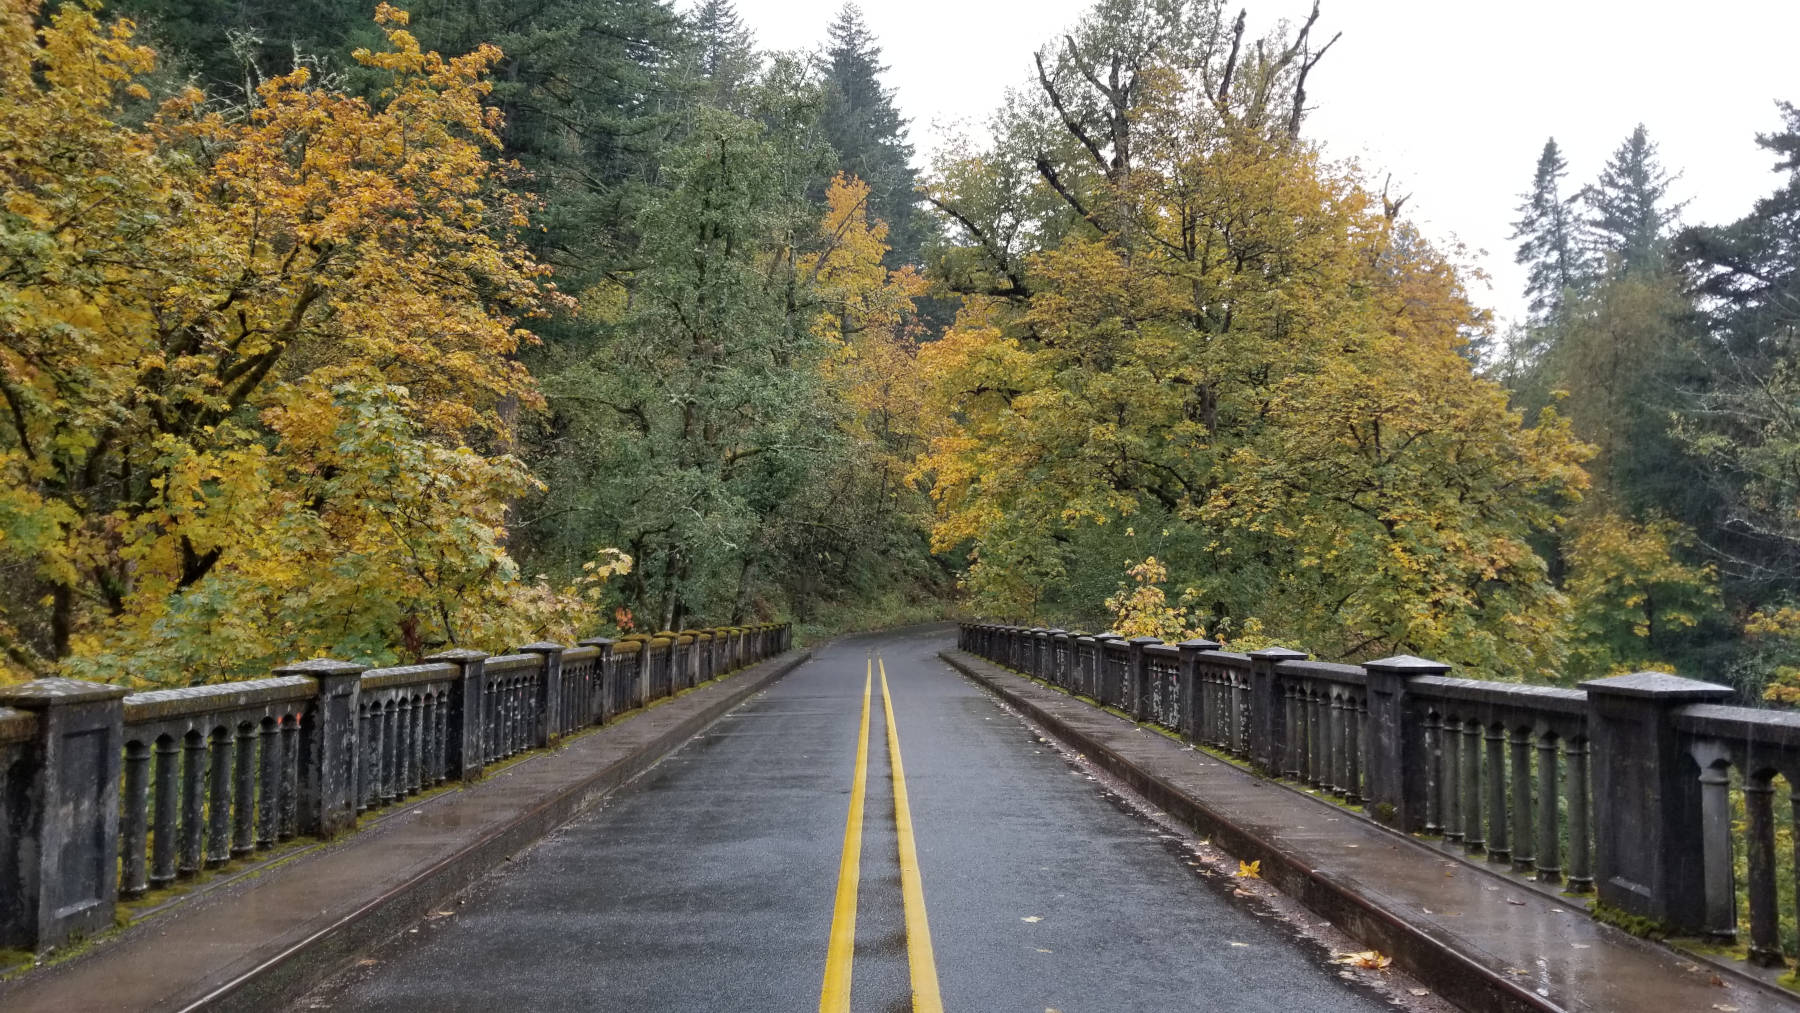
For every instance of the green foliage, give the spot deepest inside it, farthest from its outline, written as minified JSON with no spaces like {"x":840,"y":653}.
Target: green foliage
{"x":1191,"y":322}
{"x":864,"y":128}
{"x":1630,"y":217}
{"x":1638,"y":605}
{"x":1547,"y":232}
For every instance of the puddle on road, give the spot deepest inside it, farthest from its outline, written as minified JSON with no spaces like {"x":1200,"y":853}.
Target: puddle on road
{"x":1218,"y":870}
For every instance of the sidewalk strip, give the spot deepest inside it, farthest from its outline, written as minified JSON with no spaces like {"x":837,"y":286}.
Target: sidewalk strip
{"x":912,"y":888}
{"x":834,"y":996}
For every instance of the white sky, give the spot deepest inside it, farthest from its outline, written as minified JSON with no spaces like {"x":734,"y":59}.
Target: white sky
{"x":1454,"y":98}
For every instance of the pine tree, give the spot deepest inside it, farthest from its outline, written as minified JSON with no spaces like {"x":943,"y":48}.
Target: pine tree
{"x":1546,"y":231}
{"x":867,"y":132}
{"x":1629,"y":216}
{"x":724,"y":50}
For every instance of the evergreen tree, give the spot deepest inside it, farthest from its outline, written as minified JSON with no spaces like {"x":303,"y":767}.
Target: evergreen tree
{"x":1629,"y":216}
{"x":1546,"y":233}
{"x":724,"y":51}
{"x":865,"y":129}
{"x":1741,"y":421}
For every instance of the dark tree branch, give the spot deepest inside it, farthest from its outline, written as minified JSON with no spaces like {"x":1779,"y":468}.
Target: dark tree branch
{"x":1068,"y":121}
{"x":1048,"y":171}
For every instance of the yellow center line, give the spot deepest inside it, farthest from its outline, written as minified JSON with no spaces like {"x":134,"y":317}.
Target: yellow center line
{"x":912,"y":888}
{"x":834,"y":996}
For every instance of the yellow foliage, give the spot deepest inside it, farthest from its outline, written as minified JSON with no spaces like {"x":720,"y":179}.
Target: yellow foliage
{"x":1247,"y":349}
{"x":259,"y":370}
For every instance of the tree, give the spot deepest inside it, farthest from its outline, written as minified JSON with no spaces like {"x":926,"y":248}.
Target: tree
{"x":864,"y":128}
{"x":1193,"y":325}
{"x":1549,"y":247}
{"x":1638,"y":605}
{"x":257,"y":371}
{"x":1629,"y":215}
{"x":724,"y":51}
{"x":1741,"y":422}
{"x":686,"y":423}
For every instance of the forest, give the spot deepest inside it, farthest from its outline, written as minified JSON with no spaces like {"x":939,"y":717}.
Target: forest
{"x":342,"y":330}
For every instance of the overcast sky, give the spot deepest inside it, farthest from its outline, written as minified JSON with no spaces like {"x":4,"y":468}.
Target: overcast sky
{"x":1454,"y":98}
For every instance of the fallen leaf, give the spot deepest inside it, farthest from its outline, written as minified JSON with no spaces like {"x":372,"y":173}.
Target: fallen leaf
{"x":1373,"y":960}
{"x":1250,"y":870}
{"x":1419,"y":991}
{"x":1515,"y":903}
{"x":1031,"y":918}
{"x":1725,"y":1007}
{"x":1235,"y":943}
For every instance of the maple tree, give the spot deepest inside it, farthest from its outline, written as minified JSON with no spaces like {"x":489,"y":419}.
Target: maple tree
{"x":1192,"y":322}
{"x":259,"y":366}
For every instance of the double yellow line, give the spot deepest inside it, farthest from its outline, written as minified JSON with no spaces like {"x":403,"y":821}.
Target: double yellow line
{"x":834,"y":997}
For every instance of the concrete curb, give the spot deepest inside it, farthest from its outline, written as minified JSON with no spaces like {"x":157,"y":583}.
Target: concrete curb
{"x":292,"y":971}
{"x":1452,"y":972}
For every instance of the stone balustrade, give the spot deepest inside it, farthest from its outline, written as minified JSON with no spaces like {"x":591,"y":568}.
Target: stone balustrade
{"x":1644,"y":788}
{"x":106,"y":794}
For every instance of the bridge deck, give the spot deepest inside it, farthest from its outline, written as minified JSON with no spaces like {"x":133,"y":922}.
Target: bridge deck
{"x":710,"y":882}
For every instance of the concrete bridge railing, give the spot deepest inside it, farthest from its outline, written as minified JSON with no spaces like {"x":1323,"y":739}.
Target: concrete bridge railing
{"x":107,"y":794}
{"x":1627,"y":785}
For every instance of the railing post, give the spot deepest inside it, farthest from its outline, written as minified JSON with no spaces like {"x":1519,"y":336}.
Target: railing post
{"x":605,"y":673}
{"x":1138,"y":675}
{"x":702,"y":651}
{"x":1057,"y":647}
{"x":465,"y":751}
{"x":549,"y":694}
{"x":1191,"y":650}
{"x":1648,"y":808}
{"x":1103,"y":666}
{"x":1268,"y":718}
{"x":329,"y":753}
{"x":1398,"y":781}
{"x":62,"y":879}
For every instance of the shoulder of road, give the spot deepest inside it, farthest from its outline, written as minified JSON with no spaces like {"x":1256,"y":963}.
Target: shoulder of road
{"x":259,"y":942}
{"x":1483,"y":941}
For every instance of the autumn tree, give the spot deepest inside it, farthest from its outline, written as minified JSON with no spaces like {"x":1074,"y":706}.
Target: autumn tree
{"x":257,"y":369}
{"x":1193,"y":324}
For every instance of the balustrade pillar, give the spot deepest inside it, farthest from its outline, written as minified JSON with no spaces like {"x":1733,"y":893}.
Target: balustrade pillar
{"x":1193,"y":712}
{"x":605,"y":674}
{"x":61,"y":862}
{"x":1650,"y":811}
{"x":1268,"y":708}
{"x":1396,"y":770}
{"x":464,"y":758}
{"x":326,"y":789}
{"x":1137,"y":677}
{"x":545,"y":728}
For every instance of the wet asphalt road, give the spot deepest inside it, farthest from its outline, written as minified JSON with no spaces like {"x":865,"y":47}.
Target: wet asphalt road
{"x":708,"y":884}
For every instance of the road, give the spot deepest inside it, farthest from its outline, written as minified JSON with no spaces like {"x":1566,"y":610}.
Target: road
{"x":720,"y":879}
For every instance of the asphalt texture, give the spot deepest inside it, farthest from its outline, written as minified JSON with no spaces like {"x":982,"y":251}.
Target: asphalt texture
{"x":709,"y":882}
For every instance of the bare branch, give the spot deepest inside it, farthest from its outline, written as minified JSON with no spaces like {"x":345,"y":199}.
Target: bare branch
{"x":1237,"y":41}
{"x":1068,"y":120}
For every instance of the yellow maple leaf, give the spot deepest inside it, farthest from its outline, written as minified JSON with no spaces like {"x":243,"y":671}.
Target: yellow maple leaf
{"x":1372,"y":960}
{"x":1250,"y":870}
